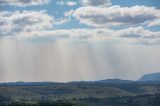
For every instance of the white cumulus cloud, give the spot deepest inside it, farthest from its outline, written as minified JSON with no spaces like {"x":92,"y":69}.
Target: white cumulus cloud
{"x":129,"y":35}
{"x":101,"y":3}
{"x":116,"y":16}
{"x":71,"y":3}
{"x":19,"y":21}
{"x":66,"y":3}
{"x":23,"y":3}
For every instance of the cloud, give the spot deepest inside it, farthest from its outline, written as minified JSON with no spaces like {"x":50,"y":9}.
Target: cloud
{"x":100,"y":3}
{"x":39,"y":24}
{"x":136,"y":32}
{"x":137,"y":35}
{"x":71,"y":3}
{"x":154,"y":23}
{"x":24,"y":21}
{"x":78,"y":34}
{"x":67,"y":3}
{"x":116,"y":16}
{"x":35,"y":25}
{"x":23,"y":3}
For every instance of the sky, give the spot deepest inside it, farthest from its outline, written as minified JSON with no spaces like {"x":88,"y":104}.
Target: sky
{"x":73,"y":40}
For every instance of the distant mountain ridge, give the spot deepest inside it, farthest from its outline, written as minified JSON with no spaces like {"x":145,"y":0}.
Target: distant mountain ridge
{"x":150,"y":77}
{"x":105,"y":81}
{"x":113,"y":81}
{"x":147,"y":78}
{"x":27,"y":83}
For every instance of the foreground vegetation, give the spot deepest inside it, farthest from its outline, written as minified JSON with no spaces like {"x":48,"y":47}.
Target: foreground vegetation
{"x":81,"y":94}
{"x":142,"y":100}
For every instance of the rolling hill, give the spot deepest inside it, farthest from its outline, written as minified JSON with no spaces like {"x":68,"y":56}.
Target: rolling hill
{"x":150,"y":77}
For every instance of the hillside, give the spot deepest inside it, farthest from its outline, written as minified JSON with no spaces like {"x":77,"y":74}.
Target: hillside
{"x":150,"y":77}
{"x":109,"y":92}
